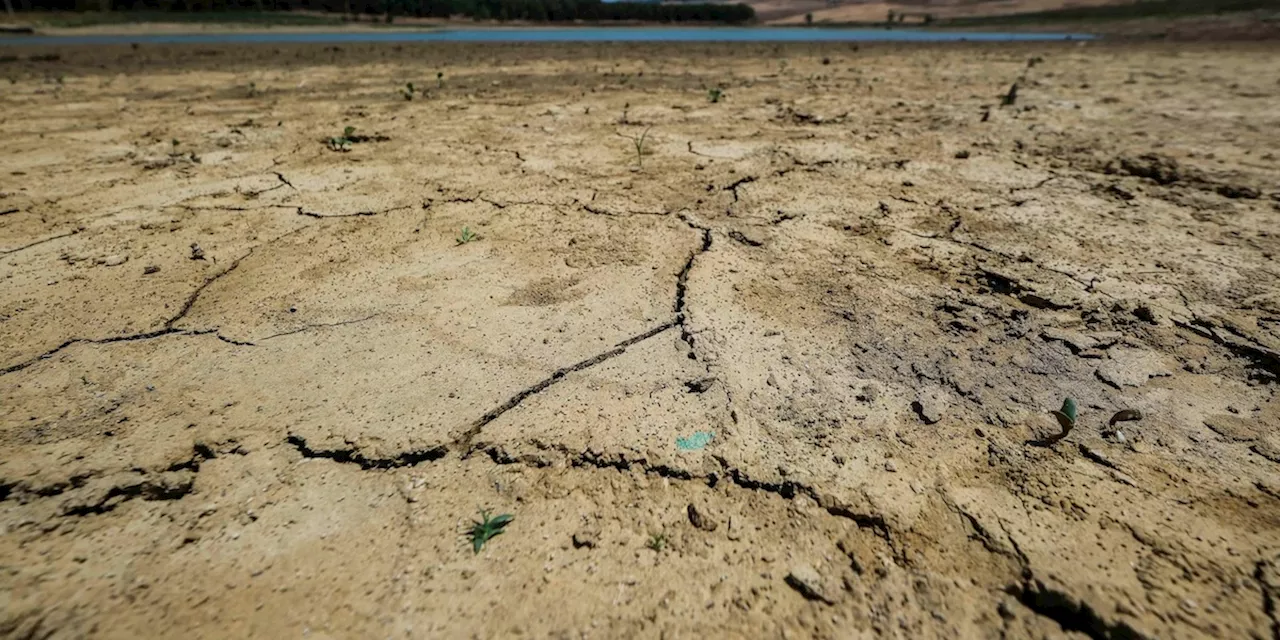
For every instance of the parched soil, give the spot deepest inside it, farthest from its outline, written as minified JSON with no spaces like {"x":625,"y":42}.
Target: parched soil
{"x":791,"y":377}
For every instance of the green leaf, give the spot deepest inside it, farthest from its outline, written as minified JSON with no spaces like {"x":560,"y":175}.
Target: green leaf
{"x":1069,"y":409}
{"x":485,"y":529}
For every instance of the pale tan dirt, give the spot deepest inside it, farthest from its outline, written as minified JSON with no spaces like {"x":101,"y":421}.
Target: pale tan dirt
{"x":793,"y":11}
{"x":870,"y":280}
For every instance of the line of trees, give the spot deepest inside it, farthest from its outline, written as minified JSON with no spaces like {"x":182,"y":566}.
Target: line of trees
{"x":535,"y":10}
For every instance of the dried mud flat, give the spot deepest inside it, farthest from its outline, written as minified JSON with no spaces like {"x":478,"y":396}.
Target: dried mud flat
{"x":859,"y":274}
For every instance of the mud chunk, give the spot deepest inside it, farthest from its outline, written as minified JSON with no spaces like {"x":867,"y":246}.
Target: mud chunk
{"x":196,"y":252}
{"x":1132,"y":367}
{"x":1077,"y":342}
{"x":808,"y":583}
{"x":930,"y":404}
{"x":1232,"y":428}
{"x":150,"y":269}
{"x":700,"y":385}
{"x":700,"y":518}
{"x":1153,"y":166}
{"x":589,"y":538}
{"x":1268,"y":449}
{"x":743,"y":238}
{"x":113,"y":260}
{"x":1238,"y":191}
{"x":868,"y":393}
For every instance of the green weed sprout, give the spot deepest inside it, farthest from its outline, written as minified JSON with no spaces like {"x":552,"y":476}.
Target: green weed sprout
{"x":342,"y":143}
{"x":1066,"y":419}
{"x":1066,"y":415}
{"x":486,"y":528}
{"x":714,"y":95}
{"x":407,"y":92}
{"x":467,"y":235}
{"x":657,"y":542}
{"x":638,"y":141}
{"x":439,"y":79}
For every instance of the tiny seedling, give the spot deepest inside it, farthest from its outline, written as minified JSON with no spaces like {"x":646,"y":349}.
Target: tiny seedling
{"x":639,"y":141}
{"x":466,"y":235}
{"x":1066,"y":415}
{"x":486,"y":528}
{"x":343,"y":142}
{"x":657,"y":542}
{"x":1066,"y":419}
{"x":714,"y":94}
{"x":439,"y":79}
{"x":408,"y":91}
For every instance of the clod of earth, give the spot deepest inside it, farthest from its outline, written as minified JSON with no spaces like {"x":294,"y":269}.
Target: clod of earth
{"x":808,"y":583}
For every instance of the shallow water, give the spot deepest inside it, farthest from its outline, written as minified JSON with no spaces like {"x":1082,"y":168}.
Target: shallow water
{"x":579,"y":34}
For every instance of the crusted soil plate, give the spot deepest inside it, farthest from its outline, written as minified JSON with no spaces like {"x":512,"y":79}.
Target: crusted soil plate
{"x":787,"y":373}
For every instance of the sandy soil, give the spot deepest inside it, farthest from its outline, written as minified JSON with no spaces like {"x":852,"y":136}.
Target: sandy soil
{"x":789,"y":379}
{"x":793,"y":11}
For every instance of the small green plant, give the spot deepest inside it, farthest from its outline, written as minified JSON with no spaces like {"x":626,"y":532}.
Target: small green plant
{"x":486,"y":528}
{"x":1066,"y":419}
{"x":343,"y":143}
{"x":439,"y":79}
{"x":657,"y":542}
{"x":714,"y":94}
{"x":407,"y":91}
{"x":639,"y":141}
{"x":467,"y":235}
{"x":253,"y":89}
{"x":1066,"y":415}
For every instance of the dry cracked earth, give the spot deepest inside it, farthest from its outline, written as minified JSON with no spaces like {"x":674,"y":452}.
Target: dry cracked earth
{"x":789,"y":375}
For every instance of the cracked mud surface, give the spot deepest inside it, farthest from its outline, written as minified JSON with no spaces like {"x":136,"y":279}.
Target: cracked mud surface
{"x":865,"y":280}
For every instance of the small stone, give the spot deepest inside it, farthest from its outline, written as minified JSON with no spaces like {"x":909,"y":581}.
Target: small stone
{"x":698,"y":518}
{"x":963,"y":154}
{"x":150,"y":269}
{"x":1005,"y":610}
{"x":868,"y":394}
{"x":890,"y":466}
{"x":930,"y":405}
{"x":196,"y":252}
{"x":114,"y":260}
{"x":808,"y":583}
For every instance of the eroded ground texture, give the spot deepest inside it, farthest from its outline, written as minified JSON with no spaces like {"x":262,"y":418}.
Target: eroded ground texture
{"x":790,"y":378}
